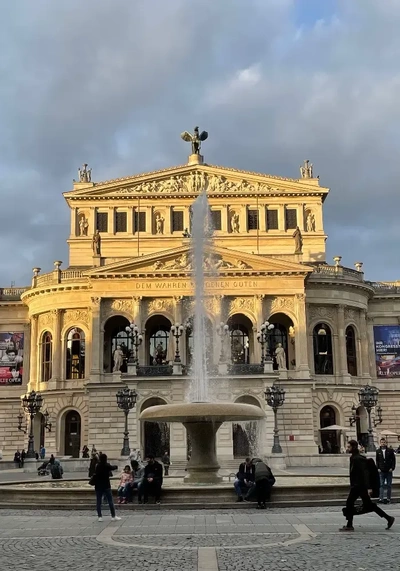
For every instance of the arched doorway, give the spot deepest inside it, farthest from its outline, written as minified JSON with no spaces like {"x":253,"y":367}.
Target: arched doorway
{"x":240,"y":328}
{"x":160,"y":349}
{"x":72,"y":434}
{"x":155,"y":435}
{"x":329,"y":438}
{"x":115,"y":335}
{"x":39,"y":431}
{"x":362,"y":426}
{"x":280,"y":335}
{"x":245,"y":435}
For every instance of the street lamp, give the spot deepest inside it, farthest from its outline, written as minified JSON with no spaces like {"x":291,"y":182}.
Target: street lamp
{"x":262,"y":337}
{"x":368,"y":396}
{"x":31,"y":403}
{"x":222,"y":332}
{"x":137,"y":339}
{"x":21,"y":418}
{"x":177,"y":331}
{"x":275,"y":397}
{"x":126,"y":400}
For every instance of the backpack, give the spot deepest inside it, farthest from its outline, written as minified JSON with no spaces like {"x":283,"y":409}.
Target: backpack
{"x":56,"y":472}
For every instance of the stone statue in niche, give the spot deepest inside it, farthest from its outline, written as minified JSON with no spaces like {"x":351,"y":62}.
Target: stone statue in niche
{"x":235,"y":227}
{"x":159,"y":224}
{"x":306,"y":171}
{"x":96,"y":243}
{"x":83,"y":226}
{"x":310,"y":222}
{"x":280,"y":356}
{"x":298,"y":241}
{"x":118,"y":359}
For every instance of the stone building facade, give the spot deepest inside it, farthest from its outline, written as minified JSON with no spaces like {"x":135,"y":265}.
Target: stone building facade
{"x":130,"y":262}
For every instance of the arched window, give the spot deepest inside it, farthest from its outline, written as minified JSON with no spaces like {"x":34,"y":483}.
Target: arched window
{"x":46,"y":352}
{"x":75,"y":365}
{"x":351,"y":351}
{"x":329,"y":438}
{"x":115,"y":336}
{"x":323,"y":358}
{"x":159,"y":345}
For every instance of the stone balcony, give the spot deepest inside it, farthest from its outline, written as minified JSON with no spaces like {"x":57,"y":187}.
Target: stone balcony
{"x":337,"y":272}
{"x":12,"y":293}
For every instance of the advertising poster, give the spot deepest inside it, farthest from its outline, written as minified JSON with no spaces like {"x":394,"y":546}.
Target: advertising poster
{"x":11,"y":358}
{"x":387,"y":350}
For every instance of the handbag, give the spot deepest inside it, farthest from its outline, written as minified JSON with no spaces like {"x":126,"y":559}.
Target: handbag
{"x":92,"y":481}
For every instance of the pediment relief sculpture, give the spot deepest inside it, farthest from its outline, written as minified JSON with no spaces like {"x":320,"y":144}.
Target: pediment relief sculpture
{"x":212,"y":262}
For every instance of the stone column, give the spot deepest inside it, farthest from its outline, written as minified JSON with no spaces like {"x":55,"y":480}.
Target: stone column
{"x":138,"y":320}
{"x":259,"y":313}
{"x":281,"y":218}
{"x":243,"y":218}
{"x":363,"y":367}
{"x":300,"y":217}
{"x":129,"y":221}
{"x":302,"y":365}
{"x":342,"y":345}
{"x":92,"y":221}
{"x":262,"y":218}
{"x":111,"y":221}
{"x":371,"y":346}
{"x":96,"y":341}
{"x":56,"y":376}
{"x":33,"y":364}
{"x":225,"y":218}
{"x":74,"y":220}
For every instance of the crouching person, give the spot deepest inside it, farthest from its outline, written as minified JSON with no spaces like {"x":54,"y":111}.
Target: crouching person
{"x":264,"y":481}
{"x":125,"y":485}
{"x":244,"y":480}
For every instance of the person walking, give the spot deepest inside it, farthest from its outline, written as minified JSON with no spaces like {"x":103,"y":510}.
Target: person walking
{"x":386,"y":463}
{"x":102,"y":485}
{"x":360,"y":487}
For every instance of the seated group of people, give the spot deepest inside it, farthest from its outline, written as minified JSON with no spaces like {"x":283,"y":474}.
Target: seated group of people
{"x":146,"y":479}
{"x":254,"y":482}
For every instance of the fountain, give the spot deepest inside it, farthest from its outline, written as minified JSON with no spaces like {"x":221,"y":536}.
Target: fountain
{"x":200,"y":417}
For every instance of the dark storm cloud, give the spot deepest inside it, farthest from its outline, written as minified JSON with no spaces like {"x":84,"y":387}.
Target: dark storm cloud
{"x":114,"y":83}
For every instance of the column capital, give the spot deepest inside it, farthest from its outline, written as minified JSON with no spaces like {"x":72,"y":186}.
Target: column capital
{"x":96,"y":302}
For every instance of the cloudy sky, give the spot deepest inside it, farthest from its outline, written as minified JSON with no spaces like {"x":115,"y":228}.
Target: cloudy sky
{"x":114,"y":82}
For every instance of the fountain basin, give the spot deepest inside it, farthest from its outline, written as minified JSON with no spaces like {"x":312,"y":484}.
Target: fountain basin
{"x":202,"y":421}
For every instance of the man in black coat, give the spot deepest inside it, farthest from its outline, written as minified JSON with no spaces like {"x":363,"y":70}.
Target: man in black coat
{"x":386,"y":462}
{"x":244,"y":480}
{"x":360,"y":487}
{"x":152,"y":479}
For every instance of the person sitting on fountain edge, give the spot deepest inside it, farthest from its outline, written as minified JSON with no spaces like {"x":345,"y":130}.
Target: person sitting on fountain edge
{"x":152,"y":480}
{"x":244,"y":480}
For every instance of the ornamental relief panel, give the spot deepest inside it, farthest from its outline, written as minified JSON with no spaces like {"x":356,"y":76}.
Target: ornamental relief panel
{"x":115,"y":306}
{"x":45,"y":320}
{"x":281,"y":303}
{"x":196,"y":182}
{"x":241,"y":303}
{"x":320,"y":312}
{"x":350,"y":314}
{"x":160,"y":305}
{"x":76,"y":316}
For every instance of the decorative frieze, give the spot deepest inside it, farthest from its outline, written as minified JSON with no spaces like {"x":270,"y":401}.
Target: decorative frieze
{"x":76,"y":316}
{"x":160,"y":304}
{"x":282,"y":303}
{"x":321,"y":312}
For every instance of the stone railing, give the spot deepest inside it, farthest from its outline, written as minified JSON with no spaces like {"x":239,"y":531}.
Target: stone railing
{"x":12,"y":293}
{"x":154,"y":370}
{"x":65,"y":276}
{"x":340,"y":272}
{"x":385,"y":287}
{"x":245,"y":369}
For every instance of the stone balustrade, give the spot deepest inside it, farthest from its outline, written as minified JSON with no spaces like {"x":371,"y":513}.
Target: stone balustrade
{"x":11,"y":293}
{"x":339,"y":272}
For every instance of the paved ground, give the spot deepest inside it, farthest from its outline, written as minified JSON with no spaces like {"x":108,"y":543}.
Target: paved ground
{"x":280,"y":540}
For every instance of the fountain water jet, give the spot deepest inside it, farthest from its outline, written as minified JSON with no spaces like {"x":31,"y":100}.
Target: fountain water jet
{"x":201,"y":418}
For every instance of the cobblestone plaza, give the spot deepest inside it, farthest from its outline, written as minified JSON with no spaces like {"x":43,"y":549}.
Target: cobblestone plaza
{"x":201,"y":540}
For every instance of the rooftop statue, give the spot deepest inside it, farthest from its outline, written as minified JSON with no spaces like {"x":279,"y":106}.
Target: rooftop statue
{"x":196,"y":139}
{"x":85,"y":174}
{"x":306,"y":171}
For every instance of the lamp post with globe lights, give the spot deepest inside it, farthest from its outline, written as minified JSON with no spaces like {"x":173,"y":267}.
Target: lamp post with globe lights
{"x":137,"y":339}
{"x":31,"y":403}
{"x":177,"y":331}
{"x":368,"y":396}
{"x":262,"y":337}
{"x":126,"y":400}
{"x":275,"y":397}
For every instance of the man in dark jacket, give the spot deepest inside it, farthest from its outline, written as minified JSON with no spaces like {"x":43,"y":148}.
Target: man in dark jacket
{"x":244,"y":480}
{"x":152,"y":480}
{"x":360,"y":488}
{"x":386,"y":462}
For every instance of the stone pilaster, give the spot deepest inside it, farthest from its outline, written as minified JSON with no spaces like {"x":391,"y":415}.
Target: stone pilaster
{"x":363,"y":367}
{"x":259,"y":313}
{"x":371,"y":346}
{"x":56,"y":366}
{"x":300,"y":217}
{"x":302,"y":365}
{"x":342,"y":354}
{"x":74,"y":221}
{"x":281,"y":218}
{"x":96,"y":342}
{"x":34,"y":345}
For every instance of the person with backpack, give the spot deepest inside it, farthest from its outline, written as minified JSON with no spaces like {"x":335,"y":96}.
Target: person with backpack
{"x":102,"y":485}
{"x":361,"y":486}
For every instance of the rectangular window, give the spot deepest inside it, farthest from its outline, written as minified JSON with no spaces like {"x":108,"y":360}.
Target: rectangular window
{"x":121,"y":221}
{"x":291,"y":218}
{"x":139,"y":221}
{"x":252,"y":220}
{"x":102,"y":222}
{"x":216,"y":219}
{"x":177,"y":221}
{"x":272,"y":220}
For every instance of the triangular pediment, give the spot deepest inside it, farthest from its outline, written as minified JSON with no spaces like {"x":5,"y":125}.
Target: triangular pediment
{"x":190,"y":180}
{"x":217,"y":261}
